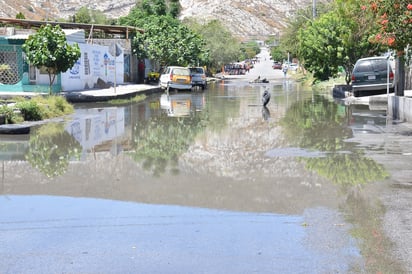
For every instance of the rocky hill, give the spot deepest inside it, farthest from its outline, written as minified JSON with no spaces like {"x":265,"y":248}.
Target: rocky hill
{"x":245,"y":19}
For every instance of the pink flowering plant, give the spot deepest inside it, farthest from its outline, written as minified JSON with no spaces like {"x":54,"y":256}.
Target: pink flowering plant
{"x":393,"y":21}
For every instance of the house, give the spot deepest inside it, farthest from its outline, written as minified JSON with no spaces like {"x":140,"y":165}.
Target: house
{"x":102,"y":62}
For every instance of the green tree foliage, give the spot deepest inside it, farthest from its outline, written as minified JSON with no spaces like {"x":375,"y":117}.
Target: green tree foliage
{"x":20,"y":16}
{"x":335,"y":39}
{"x":356,"y":41}
{"x":168,"y":41}
{"x":165,"y":38}
{"x":222,"y":47}
{"x":249,"y":50}
{"x":174,"y":8}
{"x":321,"y":45}
{"x":278,"y":54}
{"x":87,"y":16}
{"x":48,"y":48}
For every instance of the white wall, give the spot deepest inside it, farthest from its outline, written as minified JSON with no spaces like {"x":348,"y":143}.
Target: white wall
{"x":95,"y":62}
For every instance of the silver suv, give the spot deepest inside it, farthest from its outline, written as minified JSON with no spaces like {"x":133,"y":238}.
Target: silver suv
{"x":198,"y":77}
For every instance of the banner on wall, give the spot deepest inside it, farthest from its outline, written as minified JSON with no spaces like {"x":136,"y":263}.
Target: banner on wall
{"x":96,"y":61}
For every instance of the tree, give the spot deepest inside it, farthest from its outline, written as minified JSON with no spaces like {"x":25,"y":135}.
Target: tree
{"x":165,"y":38}
{"x":278,"y":54}
{"x":249,"y":50}
{"x":20,"y":16}
{"x":394,"y":29}
{"x":48,"y":48}
{"x":87,"y":16}
{"x":168,"y":41}
{"x":321,"y":46}
{"x":335,"y":39}
{"x":221,"y":46}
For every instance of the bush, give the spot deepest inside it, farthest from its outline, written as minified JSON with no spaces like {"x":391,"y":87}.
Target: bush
{"x":36,"y":108}
{"x":11,"y":117}
{"x":30,"y":110}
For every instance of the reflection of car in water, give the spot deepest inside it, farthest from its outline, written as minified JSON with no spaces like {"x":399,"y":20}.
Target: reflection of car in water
{"x":182,"y":104}
{"x":363,"y":120}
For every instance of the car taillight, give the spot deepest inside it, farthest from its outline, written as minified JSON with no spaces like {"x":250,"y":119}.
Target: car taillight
{"x":353,"y":78}
{"x":171,"y":76}
{"x":391,"y":75}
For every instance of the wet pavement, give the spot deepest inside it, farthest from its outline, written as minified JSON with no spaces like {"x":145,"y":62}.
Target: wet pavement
{"x":210,"y":182}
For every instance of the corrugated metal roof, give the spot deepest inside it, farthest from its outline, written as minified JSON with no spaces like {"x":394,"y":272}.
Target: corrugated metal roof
{"x":109,"y":29}
{"x":72,"y":35}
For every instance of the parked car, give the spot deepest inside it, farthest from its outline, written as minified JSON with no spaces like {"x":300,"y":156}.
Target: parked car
{"x":293,"y":66}
{"x":277,"y":65}
{"x":153,"y":76}
{"x":175,"y":77}
{"x":370,"y":76}
{"x":198,"y":77}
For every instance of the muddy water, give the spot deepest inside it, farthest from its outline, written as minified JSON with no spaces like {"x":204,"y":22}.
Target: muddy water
{"x":202,"y":182}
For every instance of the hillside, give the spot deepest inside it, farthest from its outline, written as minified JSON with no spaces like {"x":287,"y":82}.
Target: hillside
{"x":245,"y":19}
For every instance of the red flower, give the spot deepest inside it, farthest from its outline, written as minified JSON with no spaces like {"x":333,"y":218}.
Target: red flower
{"x":409,"y":7}
{"x":391,"y":41}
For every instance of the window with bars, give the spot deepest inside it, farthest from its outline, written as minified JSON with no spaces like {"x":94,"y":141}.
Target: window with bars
{"x":9,"y":69}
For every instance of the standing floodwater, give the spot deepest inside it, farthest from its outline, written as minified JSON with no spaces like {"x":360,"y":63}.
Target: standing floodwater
{"x":202,"y":182}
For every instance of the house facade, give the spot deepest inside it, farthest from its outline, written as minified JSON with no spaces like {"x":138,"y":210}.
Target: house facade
{"x":107,"y":61}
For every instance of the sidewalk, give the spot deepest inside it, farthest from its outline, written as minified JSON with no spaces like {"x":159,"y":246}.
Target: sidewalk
{"x":119,"y":92}
{"x":399,"y":107}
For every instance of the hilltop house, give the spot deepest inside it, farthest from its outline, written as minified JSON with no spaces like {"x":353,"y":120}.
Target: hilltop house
{"x":102,"y":62}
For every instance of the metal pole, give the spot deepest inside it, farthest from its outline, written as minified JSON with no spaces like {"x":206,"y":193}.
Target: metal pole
{"x":387,"y":83}
{"x":314,"y":9}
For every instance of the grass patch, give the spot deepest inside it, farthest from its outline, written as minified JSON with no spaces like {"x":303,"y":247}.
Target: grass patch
{"x":307,"y":80}
{"x":134,"y":99}
{"x":20,"y":109}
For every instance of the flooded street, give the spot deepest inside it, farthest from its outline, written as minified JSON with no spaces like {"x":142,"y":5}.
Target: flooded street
{"x":209,"y":182}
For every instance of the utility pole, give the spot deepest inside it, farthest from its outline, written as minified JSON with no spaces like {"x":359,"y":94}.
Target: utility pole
{"x":314,"y":9}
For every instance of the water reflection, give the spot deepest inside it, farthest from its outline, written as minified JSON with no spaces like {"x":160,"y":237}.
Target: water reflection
{"x":182,"y":104}
{"x":221,"y":150}
{"x":320,"y":125}
{"x":94,"y":126}
{"x":265,"y":113}
{"x":51,"y":149}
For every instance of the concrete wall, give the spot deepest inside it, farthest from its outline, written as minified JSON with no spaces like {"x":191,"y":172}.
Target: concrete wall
{"x":400,"y":108}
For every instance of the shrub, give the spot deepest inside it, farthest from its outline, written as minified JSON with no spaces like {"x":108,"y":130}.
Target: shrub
{"x":30,"y":110}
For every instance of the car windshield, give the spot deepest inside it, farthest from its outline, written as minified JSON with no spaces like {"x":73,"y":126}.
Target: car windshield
{"x":196,"y":70}
{"x":180,"y":71}
{"x":380,"y":65}
{"x":364,"y":66}
{"x":371,"y":65}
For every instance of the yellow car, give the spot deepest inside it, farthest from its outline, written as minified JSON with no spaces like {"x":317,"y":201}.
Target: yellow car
{"x":175,"y":77}
{"x":153,"y":76}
